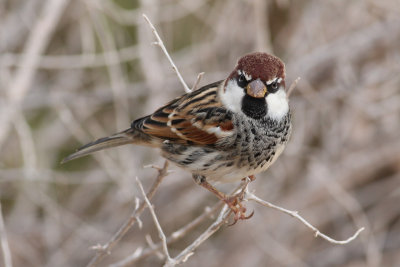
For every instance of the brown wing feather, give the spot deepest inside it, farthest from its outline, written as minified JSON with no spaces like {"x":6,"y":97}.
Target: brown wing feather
{"x":189,"y":118}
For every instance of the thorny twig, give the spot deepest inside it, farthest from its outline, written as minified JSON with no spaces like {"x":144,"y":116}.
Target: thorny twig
{"x":103,"y":250}
{"x":160,"y":43}
{"x":295,"y":214}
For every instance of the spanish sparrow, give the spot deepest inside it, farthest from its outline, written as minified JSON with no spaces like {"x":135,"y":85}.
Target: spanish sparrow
{"x":222,"y":132}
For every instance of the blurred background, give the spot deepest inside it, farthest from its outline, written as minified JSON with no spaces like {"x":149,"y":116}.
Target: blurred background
{"x":72,"y":71}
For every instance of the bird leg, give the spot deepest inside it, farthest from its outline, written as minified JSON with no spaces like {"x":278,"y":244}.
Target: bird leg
{"x":234,"y":202}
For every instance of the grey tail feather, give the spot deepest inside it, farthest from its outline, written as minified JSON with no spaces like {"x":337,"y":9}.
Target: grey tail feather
{"x":118,"y":139}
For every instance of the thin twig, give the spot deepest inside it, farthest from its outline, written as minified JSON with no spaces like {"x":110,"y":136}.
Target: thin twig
{"x":222,"y":218}
{"x":188,"y":251}
{"x":199,"y":76}
{"x":178,"y":234}
{"x":160,"y":43}
{"x":103,"y":250}
{"x":295,"y":214}
{"x":4,"y":242}
{"x":161,"y":234}
{"x":292,"y":86}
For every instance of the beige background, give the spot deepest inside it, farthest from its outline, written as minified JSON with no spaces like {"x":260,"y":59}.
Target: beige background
{"x":72,"y":71}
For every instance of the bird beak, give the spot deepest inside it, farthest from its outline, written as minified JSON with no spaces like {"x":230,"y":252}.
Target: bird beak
{"x":256,"y":89}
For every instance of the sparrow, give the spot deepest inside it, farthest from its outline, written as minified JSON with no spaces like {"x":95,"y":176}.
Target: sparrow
{"x":222,"y":132}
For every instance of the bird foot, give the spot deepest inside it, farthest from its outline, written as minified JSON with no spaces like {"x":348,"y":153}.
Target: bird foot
{"x":235,"y":204}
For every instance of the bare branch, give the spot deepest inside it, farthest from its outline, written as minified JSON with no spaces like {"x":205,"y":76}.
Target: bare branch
{"x":199,"y":76}
{"x":188,"y":251}
{"x":103,"y":250}
{"x":4,"y":242}
{"x":160,"y":43}
{"x":169,"y":261}
{"x":295,"y":214}
{"x":178,"y":234}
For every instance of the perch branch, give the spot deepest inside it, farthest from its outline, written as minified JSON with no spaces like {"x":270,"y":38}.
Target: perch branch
{"x":295,"y":214}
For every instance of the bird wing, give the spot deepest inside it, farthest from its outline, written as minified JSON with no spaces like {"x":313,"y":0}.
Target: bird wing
{"x":197,"y":117}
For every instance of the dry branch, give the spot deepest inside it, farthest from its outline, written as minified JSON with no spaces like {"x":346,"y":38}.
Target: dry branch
{"x":196,"y":84}
{"x":169,"y":261}
{"x":189,"y":250}
{"x":103,"y":250}
{"x":160,"y":43}
{"x":175,"y":236}
{"x":295,"y":214}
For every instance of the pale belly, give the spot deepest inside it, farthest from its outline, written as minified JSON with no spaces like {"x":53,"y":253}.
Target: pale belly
{"x":234,"y":174}
{"x":217,"y":168}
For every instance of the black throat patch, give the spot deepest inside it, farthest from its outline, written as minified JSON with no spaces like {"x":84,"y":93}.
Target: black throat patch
{"x":255,"y":108}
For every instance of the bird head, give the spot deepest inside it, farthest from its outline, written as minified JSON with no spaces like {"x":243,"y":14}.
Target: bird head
{"x":256,"y":87}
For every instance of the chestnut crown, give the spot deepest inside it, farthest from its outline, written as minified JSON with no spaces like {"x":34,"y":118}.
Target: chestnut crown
{"x":259,"y":73}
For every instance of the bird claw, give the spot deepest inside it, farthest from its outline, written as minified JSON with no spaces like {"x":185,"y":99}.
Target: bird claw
{"x":235,"y":204}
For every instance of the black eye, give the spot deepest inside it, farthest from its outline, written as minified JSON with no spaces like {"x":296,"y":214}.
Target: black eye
{"x":273,"y":87}
{"x":241,"y":80}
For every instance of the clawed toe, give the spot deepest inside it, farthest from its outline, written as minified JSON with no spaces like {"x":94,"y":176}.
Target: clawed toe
{"x":236,"y":206}
{"x":234,"y":202}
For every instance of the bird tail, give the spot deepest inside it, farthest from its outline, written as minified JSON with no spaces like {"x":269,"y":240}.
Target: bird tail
{"x":118,"y":139}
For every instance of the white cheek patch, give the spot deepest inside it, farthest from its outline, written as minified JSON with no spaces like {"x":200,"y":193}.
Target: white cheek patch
{"x":278,"y":105}
{"x":232,"y":96}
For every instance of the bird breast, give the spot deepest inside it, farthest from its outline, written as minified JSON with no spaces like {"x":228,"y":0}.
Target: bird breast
{"x":255,"y":145}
